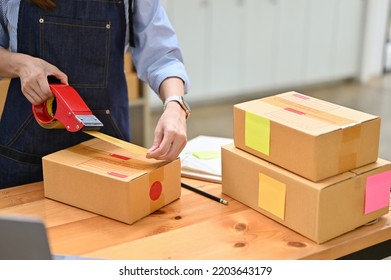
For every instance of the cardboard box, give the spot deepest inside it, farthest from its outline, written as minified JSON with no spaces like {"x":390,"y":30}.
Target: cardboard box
{"x":319,"y":211}
{"x":128,"y":63}
{"x":4,"y":83}
{"x":307,"y":136}
{"x":133,"y":84}
{"x":102,"y":178}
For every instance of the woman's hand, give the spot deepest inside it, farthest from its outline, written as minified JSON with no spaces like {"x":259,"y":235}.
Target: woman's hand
{"x":34,"y":73}
{"x":170,"y":136}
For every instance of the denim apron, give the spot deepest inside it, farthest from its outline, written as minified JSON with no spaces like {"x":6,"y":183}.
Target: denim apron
{"x":85,"y":39}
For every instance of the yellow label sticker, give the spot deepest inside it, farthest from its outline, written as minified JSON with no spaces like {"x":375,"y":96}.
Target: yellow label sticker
{"x":257,"y":133}
{"x":206,"y":155}
{"x":271,"y":195}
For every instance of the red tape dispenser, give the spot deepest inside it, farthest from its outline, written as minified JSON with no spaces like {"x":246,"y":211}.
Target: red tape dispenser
{"x":66,"y":110}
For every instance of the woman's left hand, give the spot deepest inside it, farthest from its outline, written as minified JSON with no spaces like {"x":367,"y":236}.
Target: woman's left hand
{"x":170,"y":136}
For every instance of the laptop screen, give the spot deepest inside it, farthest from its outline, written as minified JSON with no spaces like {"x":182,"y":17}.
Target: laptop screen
{"x":23,"y":238}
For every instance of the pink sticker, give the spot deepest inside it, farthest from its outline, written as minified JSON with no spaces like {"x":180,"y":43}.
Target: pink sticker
{"x":294,"y":111}
{"x":300,"y":96}
{"x":377,"y":192}
{"x":120,"y":157}
{"x":117,"y":174}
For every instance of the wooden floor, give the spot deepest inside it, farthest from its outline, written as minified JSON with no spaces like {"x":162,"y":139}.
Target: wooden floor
{"x":373,"y":97}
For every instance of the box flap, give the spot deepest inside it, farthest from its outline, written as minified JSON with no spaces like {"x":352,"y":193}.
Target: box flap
{"x":304,"y":113}
{"x":380,"y":163}
{"x":106,"y":159}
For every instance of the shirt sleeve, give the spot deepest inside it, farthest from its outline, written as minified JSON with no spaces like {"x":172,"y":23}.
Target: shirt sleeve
{"x":4,"y":39}
{"x":157,"y":54}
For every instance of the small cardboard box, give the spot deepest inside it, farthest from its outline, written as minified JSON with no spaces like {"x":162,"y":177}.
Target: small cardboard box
{"x":128,"y":63}
{"x":307,"y":136}
{"x":102,"y":178}
{"x":320,"y":211}
{"x":4,"y":83}
{"x":133,"y":84}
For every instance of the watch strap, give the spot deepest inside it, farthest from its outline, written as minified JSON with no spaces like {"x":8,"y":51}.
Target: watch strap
{"x":180,"y":100}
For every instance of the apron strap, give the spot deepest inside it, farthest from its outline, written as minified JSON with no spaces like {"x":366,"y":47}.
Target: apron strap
{"x":131,"y":27}
{"x":19,"y":156}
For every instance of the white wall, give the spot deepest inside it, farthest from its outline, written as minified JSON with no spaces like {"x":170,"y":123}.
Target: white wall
{"x":377,"y":12}
{"x":236,"y":47}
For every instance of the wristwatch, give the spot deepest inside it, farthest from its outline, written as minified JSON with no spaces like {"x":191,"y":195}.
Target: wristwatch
{"x":181,"y":101}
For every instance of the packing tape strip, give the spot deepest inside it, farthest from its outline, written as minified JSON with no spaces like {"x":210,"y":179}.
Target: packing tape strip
{"x":117,"y":142}
{"x":350,"y":146}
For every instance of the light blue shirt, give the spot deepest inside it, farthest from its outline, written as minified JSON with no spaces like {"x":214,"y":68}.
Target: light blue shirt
{"x":157,"y":56}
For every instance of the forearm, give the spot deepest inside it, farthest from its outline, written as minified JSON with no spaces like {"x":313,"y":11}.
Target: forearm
{"x":170,"y":133}
{"x":171,"y":86}
{"x":10,"y":63}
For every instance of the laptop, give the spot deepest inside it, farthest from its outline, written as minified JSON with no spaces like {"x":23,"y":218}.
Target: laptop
{"x":25,"y":238}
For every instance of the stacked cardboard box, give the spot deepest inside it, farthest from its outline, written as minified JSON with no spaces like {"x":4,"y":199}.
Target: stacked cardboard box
{"x":311,"y":165}
{"x":4,"y":83}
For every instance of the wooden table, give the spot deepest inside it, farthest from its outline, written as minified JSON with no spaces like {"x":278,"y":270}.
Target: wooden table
{"x":192,"y":227}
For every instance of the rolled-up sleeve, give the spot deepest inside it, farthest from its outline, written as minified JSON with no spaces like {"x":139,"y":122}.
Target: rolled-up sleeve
{"x":157,"y":54}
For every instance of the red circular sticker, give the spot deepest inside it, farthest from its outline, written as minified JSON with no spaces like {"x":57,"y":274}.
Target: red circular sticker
{"x":156,"y":190}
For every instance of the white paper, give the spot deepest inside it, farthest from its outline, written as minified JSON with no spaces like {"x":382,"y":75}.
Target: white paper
{"x":205,"y":169}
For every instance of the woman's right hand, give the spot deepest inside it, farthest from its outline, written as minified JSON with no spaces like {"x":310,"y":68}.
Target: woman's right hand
{"x":34,"y":73}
